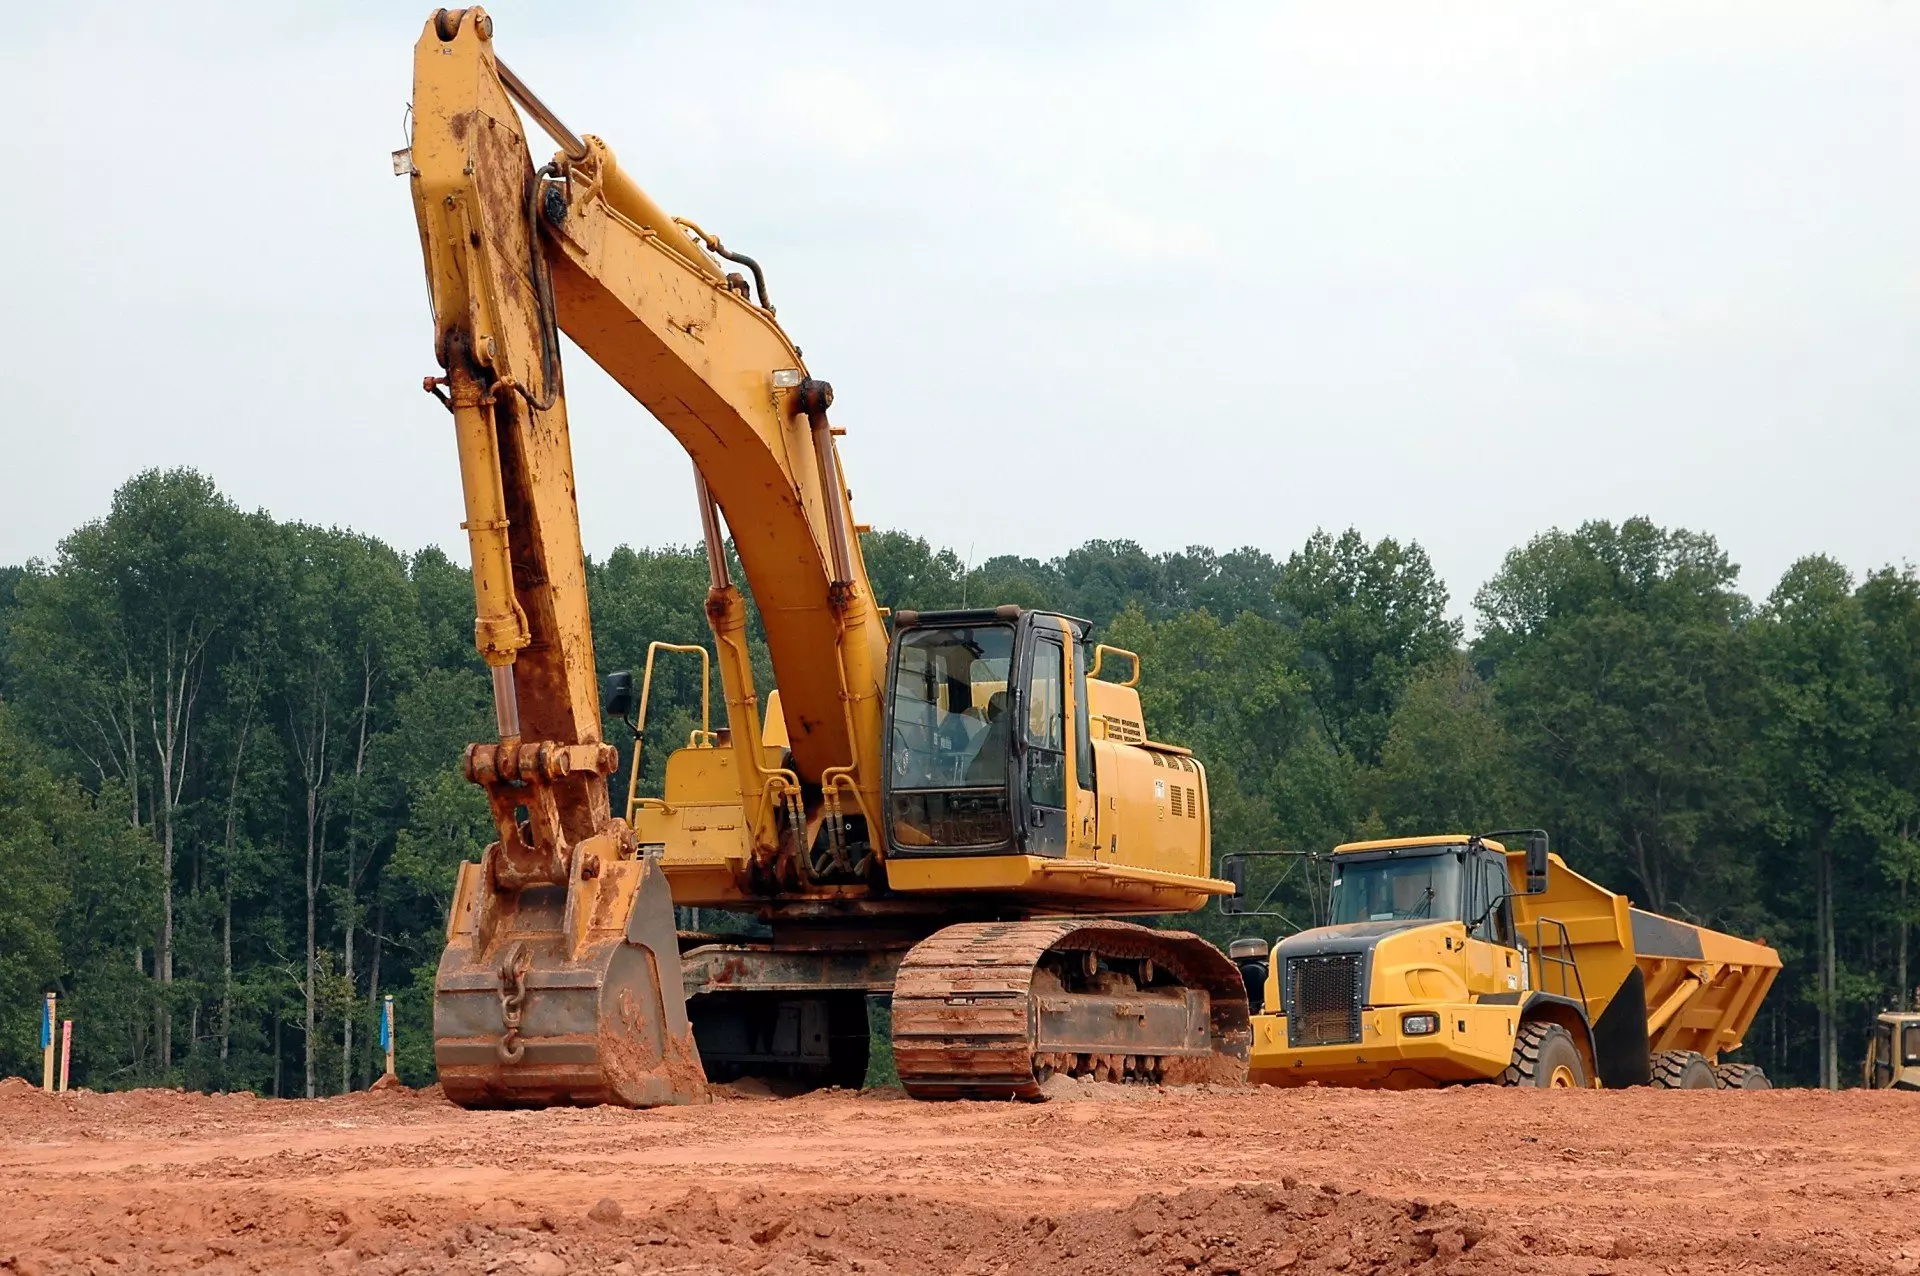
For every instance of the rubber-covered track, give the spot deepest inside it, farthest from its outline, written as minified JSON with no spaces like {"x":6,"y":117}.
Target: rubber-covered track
{"x":963,"y":1016}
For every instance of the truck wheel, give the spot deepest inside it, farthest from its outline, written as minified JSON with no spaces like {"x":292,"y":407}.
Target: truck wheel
{"x":1683,"y":1070}
{"x":1545,"y":1058}
{"x":1741,"y":1076}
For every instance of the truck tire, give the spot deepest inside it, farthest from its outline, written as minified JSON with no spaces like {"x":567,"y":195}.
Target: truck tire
{"x":1545,"y":1058}
{"x":1683,"y":1070}
{"x":1741,"y":1076}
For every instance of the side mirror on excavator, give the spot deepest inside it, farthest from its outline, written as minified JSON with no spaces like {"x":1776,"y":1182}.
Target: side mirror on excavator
{"x":1536,"y":863}
{"x":619,"y":694}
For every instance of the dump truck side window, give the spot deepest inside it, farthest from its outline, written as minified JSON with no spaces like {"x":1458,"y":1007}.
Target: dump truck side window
{"x":1910,"y":1050}
{"x":1500,"y":921}
{"x":1883,"y":1054}
{"x":1478,"y":912}
{"x":1485,"y":903}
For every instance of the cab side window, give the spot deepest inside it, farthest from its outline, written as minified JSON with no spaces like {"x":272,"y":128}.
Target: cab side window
{"x":1501,"y":918}
{"x":1082,"y":736}
{"x":1487,"y":908}
{"x":1045,"y":726}
{"x":1478,"y":924}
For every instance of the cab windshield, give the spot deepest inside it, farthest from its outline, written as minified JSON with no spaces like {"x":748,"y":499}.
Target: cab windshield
{"x":1398,"y":888}
{"x":950,"y":742}
{"x":949,"y":708}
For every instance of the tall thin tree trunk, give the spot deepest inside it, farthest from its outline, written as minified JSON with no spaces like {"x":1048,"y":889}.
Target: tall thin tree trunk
{"x":374,"y":1063}
{"x":226,"y":983}
{"x":353,"y":880}
{"x":313,"y":898}
{"x":313,"y":770}
{"x":226,"y":926}
{"x":163,"y":955}
{"x":170,"y":715}
{"x":276,"y":1052}
{"x":1829,"y":1047}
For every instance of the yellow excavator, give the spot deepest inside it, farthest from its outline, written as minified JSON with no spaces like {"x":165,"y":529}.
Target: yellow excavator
{"x":949,"y":809}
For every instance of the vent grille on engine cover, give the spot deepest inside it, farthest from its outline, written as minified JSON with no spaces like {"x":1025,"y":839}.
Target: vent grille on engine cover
{"x":1323,"y":1000}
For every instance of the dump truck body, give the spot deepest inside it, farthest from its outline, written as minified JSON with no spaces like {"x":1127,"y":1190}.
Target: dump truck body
{"x":1442,"y":967}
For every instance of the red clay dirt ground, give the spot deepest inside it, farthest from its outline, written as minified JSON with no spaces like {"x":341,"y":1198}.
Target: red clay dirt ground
{"x":1102,"y":1179}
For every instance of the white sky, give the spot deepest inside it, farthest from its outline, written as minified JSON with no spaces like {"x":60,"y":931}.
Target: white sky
{"x":1186,"y":274}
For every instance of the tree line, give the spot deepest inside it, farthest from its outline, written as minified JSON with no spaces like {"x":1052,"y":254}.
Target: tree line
{"x":230,"y":805}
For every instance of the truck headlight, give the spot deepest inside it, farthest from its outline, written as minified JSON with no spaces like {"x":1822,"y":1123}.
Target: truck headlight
{"x":1424,"y":1025}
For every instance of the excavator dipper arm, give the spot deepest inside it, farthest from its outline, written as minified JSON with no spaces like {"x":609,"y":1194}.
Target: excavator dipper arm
{"x":560,"y":979}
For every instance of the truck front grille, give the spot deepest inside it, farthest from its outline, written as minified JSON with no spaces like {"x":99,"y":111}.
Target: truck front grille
{"x":1323,"y":999}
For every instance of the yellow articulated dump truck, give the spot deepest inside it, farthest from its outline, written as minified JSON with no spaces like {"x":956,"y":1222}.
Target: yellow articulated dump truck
{"x":1452,"y":959}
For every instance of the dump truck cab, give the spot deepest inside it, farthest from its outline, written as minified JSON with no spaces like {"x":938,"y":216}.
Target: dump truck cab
{"x":1452,"y":958}
{"x":1893,"y":1052}
{"x":1420,"y":979}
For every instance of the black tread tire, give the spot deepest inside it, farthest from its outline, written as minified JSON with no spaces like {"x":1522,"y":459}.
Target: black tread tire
{"x":1683,"y":1070}
{"x":1538,"y":1049}
{"x":1741,"y":1076}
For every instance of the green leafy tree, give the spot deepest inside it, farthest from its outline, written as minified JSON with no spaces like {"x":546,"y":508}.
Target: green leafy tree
{"x":76,"y":896}
{"x":1369,"y":615}
{"x":1448,"y":763}
{"x":1890,"y":602}
{"x":1826,"y":707}
{"x":1620,"y":662}
{"x":114,"y":644}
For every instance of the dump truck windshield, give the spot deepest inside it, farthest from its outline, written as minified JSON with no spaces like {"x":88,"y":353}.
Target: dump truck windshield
{"x":1400,"y":888}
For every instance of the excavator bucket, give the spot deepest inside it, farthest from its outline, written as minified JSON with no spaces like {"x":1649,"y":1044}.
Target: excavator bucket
{"x":564,"y":994}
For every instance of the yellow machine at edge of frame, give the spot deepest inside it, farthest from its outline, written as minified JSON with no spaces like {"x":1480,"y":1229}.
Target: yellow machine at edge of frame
{"x":1893,"y":1051}
{"x":948,"y":809}
{"x":1451,"y":959}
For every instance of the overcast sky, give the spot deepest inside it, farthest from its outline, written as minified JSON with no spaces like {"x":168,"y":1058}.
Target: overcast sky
{"x":1182,"y":274}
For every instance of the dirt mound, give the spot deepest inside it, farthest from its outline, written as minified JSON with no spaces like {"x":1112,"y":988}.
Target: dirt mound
{"x":19,"y":1089}
{"x":1267,"y":1227}
{"x":1061,"y":1088}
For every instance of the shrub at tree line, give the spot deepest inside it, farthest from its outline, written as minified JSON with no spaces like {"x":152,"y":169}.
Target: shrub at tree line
{"x":230,"y":808}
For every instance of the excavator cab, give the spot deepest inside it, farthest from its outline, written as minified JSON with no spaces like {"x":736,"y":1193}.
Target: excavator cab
{"x":980,"y":753}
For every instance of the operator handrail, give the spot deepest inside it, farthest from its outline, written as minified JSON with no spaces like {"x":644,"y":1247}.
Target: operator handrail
{"x":703,"y":738}
{"x":1564,"y":958}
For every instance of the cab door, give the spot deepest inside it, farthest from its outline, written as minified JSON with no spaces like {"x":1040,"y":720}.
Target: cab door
{"x":1085,"y":794}
{"x":1043,"y":744}
{"x":1880,"y":1057}
{"x":1493,"y":966}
